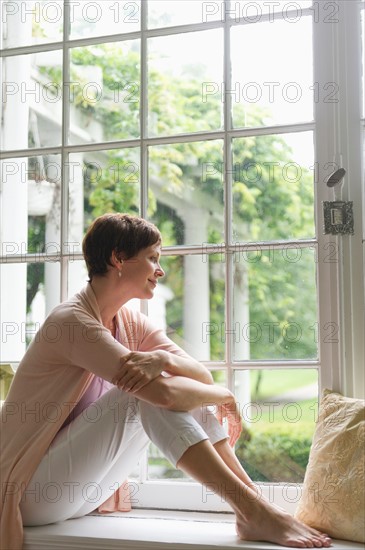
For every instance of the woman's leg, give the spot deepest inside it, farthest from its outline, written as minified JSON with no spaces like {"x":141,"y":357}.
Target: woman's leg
{"x":229,"y":457}
{"x":86,"y":461}
{"x":256,"y":519}
{"x":95,"y":453}
{"x":207,"y":419}
{"x":214,"y":464}
{"x":101,"y":446}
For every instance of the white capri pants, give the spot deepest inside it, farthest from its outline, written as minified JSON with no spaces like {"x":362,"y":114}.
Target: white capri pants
{"x":90,"y":457}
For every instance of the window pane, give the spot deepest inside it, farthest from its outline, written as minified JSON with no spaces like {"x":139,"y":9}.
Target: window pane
{"x":272,"y":85}
{"x":77,"y":276}
{"x":104,"y":18}
{"x":273,"y":192}
{"x":191,"y":299}
{"x":100,"y":182}
{"x":164,"y":13}
{"x":104,"y":92}
{"x":186,"y":192}
{"x":32,"y":91}
{"x":31,"y":22}
{"x":275,"y":304}
{"x":181,"y":80}
{"x":31,"y":191}
{"x":22,"y":312}
{"x":279,"y":409}
{"x":158,"y":466}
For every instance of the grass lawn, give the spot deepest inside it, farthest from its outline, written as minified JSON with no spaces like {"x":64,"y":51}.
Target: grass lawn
{"x":295,"y":418}
{"x":275,"y":382}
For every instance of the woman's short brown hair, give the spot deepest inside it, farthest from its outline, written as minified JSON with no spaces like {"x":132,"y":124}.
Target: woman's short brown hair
{"x":120,"y":233}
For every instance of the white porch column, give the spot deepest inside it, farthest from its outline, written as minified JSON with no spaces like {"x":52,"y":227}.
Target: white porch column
{"x":196,"y":287}
{"x":241,"y":343}
{"x":77,"y":270}
{"x":52,"y":273}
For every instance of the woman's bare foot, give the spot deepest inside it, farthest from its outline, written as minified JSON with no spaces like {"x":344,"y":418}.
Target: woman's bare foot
{"x":256,"y":518}
{"x":263,"y":522}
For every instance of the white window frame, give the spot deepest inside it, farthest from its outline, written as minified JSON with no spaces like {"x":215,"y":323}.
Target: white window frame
{"x":337,"y":127}
{"x":337,"y":58}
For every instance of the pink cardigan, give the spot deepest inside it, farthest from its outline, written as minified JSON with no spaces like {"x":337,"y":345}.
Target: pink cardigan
{"x":70,"y":348}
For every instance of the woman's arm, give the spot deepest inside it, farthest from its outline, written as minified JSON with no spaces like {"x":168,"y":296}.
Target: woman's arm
{"x":187,"y":367}
{"x":178,"y":393}
{"x":138,"y":368}
{"x":184,"y":394}
{"x":176,"y":361}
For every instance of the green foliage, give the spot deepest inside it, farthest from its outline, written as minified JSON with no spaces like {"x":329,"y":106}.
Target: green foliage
{"x":275,"y":456}
{"x":53,"y":74}
{"x":118,"y":109}
{"x":111,"y":190}
{"x":283,"y":315}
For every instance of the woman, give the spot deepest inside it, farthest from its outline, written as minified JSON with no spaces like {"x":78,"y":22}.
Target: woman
{"x":98,"y":382}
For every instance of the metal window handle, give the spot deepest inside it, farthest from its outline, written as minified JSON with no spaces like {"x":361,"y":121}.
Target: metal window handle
{"x":338,"y":214}
{"x":336,"y":177}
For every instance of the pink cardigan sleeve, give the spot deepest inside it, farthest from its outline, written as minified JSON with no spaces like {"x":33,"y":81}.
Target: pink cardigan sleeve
{"x":93,"y":348}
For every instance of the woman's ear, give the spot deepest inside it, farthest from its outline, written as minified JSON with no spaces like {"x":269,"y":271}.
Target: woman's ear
{"x":115,"y":260}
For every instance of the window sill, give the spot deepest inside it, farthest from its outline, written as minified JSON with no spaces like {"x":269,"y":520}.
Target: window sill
{"x":147,"y":529}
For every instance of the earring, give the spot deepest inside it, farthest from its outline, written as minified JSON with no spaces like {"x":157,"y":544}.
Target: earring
{"x":119,"y":274}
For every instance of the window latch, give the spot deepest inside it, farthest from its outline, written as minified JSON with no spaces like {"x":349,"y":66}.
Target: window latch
{"x":338,"y":214}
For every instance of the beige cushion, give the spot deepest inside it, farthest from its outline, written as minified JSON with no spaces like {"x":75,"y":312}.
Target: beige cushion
{"x":334,"y":489}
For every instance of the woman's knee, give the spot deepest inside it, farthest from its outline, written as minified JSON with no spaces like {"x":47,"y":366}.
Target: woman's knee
{"x":206,"y":418}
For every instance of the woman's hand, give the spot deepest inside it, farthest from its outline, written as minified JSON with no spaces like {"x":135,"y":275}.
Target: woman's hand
{"x":231,"y":412}
{"x":138,"y":368}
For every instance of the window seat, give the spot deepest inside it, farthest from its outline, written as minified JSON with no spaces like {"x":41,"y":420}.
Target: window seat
{"x":147,"y":529}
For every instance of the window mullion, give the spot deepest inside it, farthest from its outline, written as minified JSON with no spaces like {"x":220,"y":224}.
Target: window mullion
{"x":227,"y":175}
{"x":64,"y":156}
{"x":143,"y":177}
{"x":163,"y":140}
{"x":143,"y":114}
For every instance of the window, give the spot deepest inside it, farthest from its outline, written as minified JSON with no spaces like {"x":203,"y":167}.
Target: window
{"x":220,"y":122}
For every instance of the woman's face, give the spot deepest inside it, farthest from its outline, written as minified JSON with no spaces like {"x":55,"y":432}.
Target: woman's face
{"x":141,"y":273}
